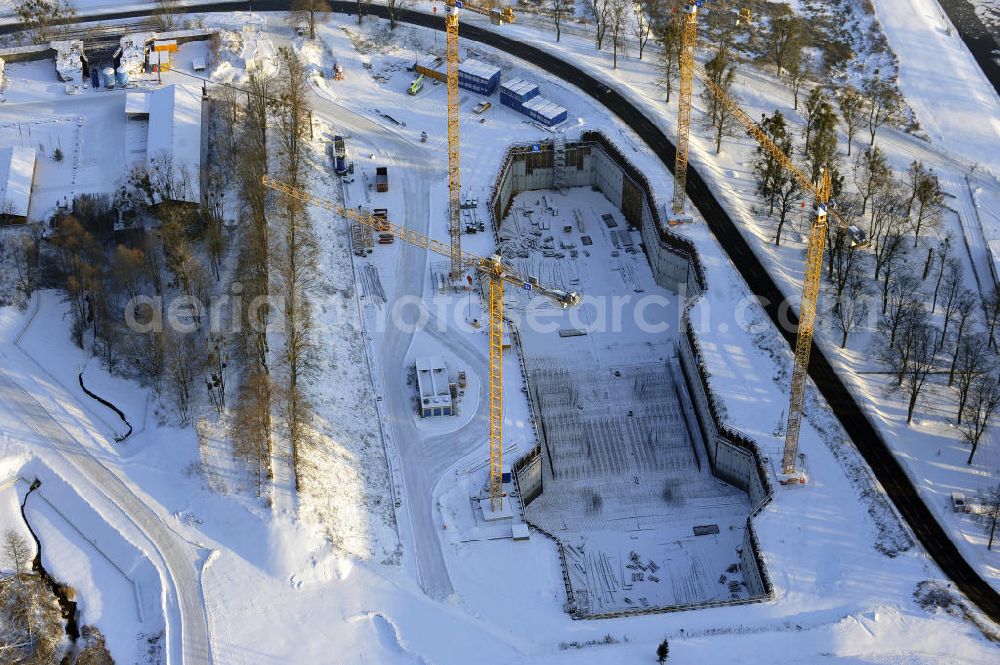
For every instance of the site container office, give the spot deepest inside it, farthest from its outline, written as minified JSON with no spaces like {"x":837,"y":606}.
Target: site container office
{"x":478,"y":76}
{"x":546,"y":112}
{"x":515,"y":92}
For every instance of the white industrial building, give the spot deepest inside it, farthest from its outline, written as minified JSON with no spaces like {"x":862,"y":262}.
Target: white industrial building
{"x":17,"y":171}
{"x":434,"y":387}
{"x":173,"y":148}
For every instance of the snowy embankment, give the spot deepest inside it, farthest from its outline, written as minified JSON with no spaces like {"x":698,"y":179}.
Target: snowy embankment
{"x":732,"y":173}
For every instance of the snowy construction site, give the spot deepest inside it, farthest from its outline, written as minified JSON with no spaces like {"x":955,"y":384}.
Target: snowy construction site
{"x":328,"y":337}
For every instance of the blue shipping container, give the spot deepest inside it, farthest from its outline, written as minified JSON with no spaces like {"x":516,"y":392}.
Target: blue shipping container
{"x":478,"y":76}
{"x":543,"y":111}
{"x":515,"y":92}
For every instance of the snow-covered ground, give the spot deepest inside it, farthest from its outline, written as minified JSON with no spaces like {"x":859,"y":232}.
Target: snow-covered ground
{"x":951,"y":154}
{"x":273,"y":590}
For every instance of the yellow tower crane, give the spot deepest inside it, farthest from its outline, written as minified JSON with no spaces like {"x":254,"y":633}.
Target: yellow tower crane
{"x":498,"y":16}
{"x":813,"y":268}
{"x":689,"y":38}
{"x":494,"y":270}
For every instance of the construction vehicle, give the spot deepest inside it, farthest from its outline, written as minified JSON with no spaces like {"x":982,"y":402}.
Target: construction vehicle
{"x":339,"y":155}
{"x":814,"y":262}
{"x":416,"y":86}
{"x":496,"y":273}
{"x":482,"y":107}
{"x":498,"y":16}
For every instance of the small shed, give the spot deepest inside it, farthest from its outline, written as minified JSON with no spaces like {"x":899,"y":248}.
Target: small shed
{"x":17,"y":172}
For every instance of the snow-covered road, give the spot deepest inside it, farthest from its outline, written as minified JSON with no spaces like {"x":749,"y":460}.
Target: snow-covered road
{"x":423,"y":459}
{"x":188,"y":641}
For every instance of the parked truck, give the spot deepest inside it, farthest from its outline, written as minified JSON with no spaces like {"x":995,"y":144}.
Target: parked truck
{"x":382,"y":179}
{"x":339,"y":155}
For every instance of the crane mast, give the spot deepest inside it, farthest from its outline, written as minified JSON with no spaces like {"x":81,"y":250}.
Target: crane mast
{"x":813,"y":269}
{"x":492,"y":269}
{"x":454,"y":141}
{"x":689,"y":34}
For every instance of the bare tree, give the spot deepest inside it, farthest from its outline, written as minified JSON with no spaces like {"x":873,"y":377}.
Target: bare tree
{"x":980,"y":409}
{"x":914,"y":174}
{"x":798,"y":74}
{"x":669,"y":34}
{"x":641,"y":27}
{"x":951,"y":293}
{"x":886,"y":228}
{"x":930,"y":201}
{"x":990,"y":502}
{"x":897,"y":354}
{"x":845,"y":261}
{"x":601,"y":11}
{"x":251,"y":425}
{"x":924,"y":341}
{"x":992,"y":309}
{"x":16,"y":551}
{"x":299,"y":256}
{"x":362,"y":9}
{"x":559,"y":10}
{"x":180,"y":358}
{"x":217,"y":370}
{"x":785,"y":38}
{"x":718,"y":118}
{"x":789,"y":194}
{"x":901,"y":301}
{"x":871,"y":173}
{"x":26,"y":257}
{"x":943,"y":258}
{"x":617,"y":26}
{"x":851,"y":112}
{"x":965,"y":312}
{"x":882,"y":104}
{"x":768,"y":168}
{"x":851,"y":307}
{"x":41,"y":17}
{"x":974,"y":360}
{"x":165,"y":12}
{"x":394,"y":8}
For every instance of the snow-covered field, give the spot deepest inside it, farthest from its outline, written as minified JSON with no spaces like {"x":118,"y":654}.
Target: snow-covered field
{"x":261,"y":588}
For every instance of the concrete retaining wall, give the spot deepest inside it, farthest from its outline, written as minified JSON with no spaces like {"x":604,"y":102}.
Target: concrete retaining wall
{"x":596,"y":162}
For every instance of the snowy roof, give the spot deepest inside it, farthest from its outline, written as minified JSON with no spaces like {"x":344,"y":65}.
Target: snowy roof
{"x":518,"y":86}
{"x":432,"y":379}
{"x":544,"y":107}
{"x":17,"y":170}
{"x":175,"y":131}
{"x":477,"y":68}
{"x":137,"y":103}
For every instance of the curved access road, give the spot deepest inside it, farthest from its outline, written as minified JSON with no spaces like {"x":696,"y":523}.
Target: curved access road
{"x":187,"y":643}
{"x":852,"y":417}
